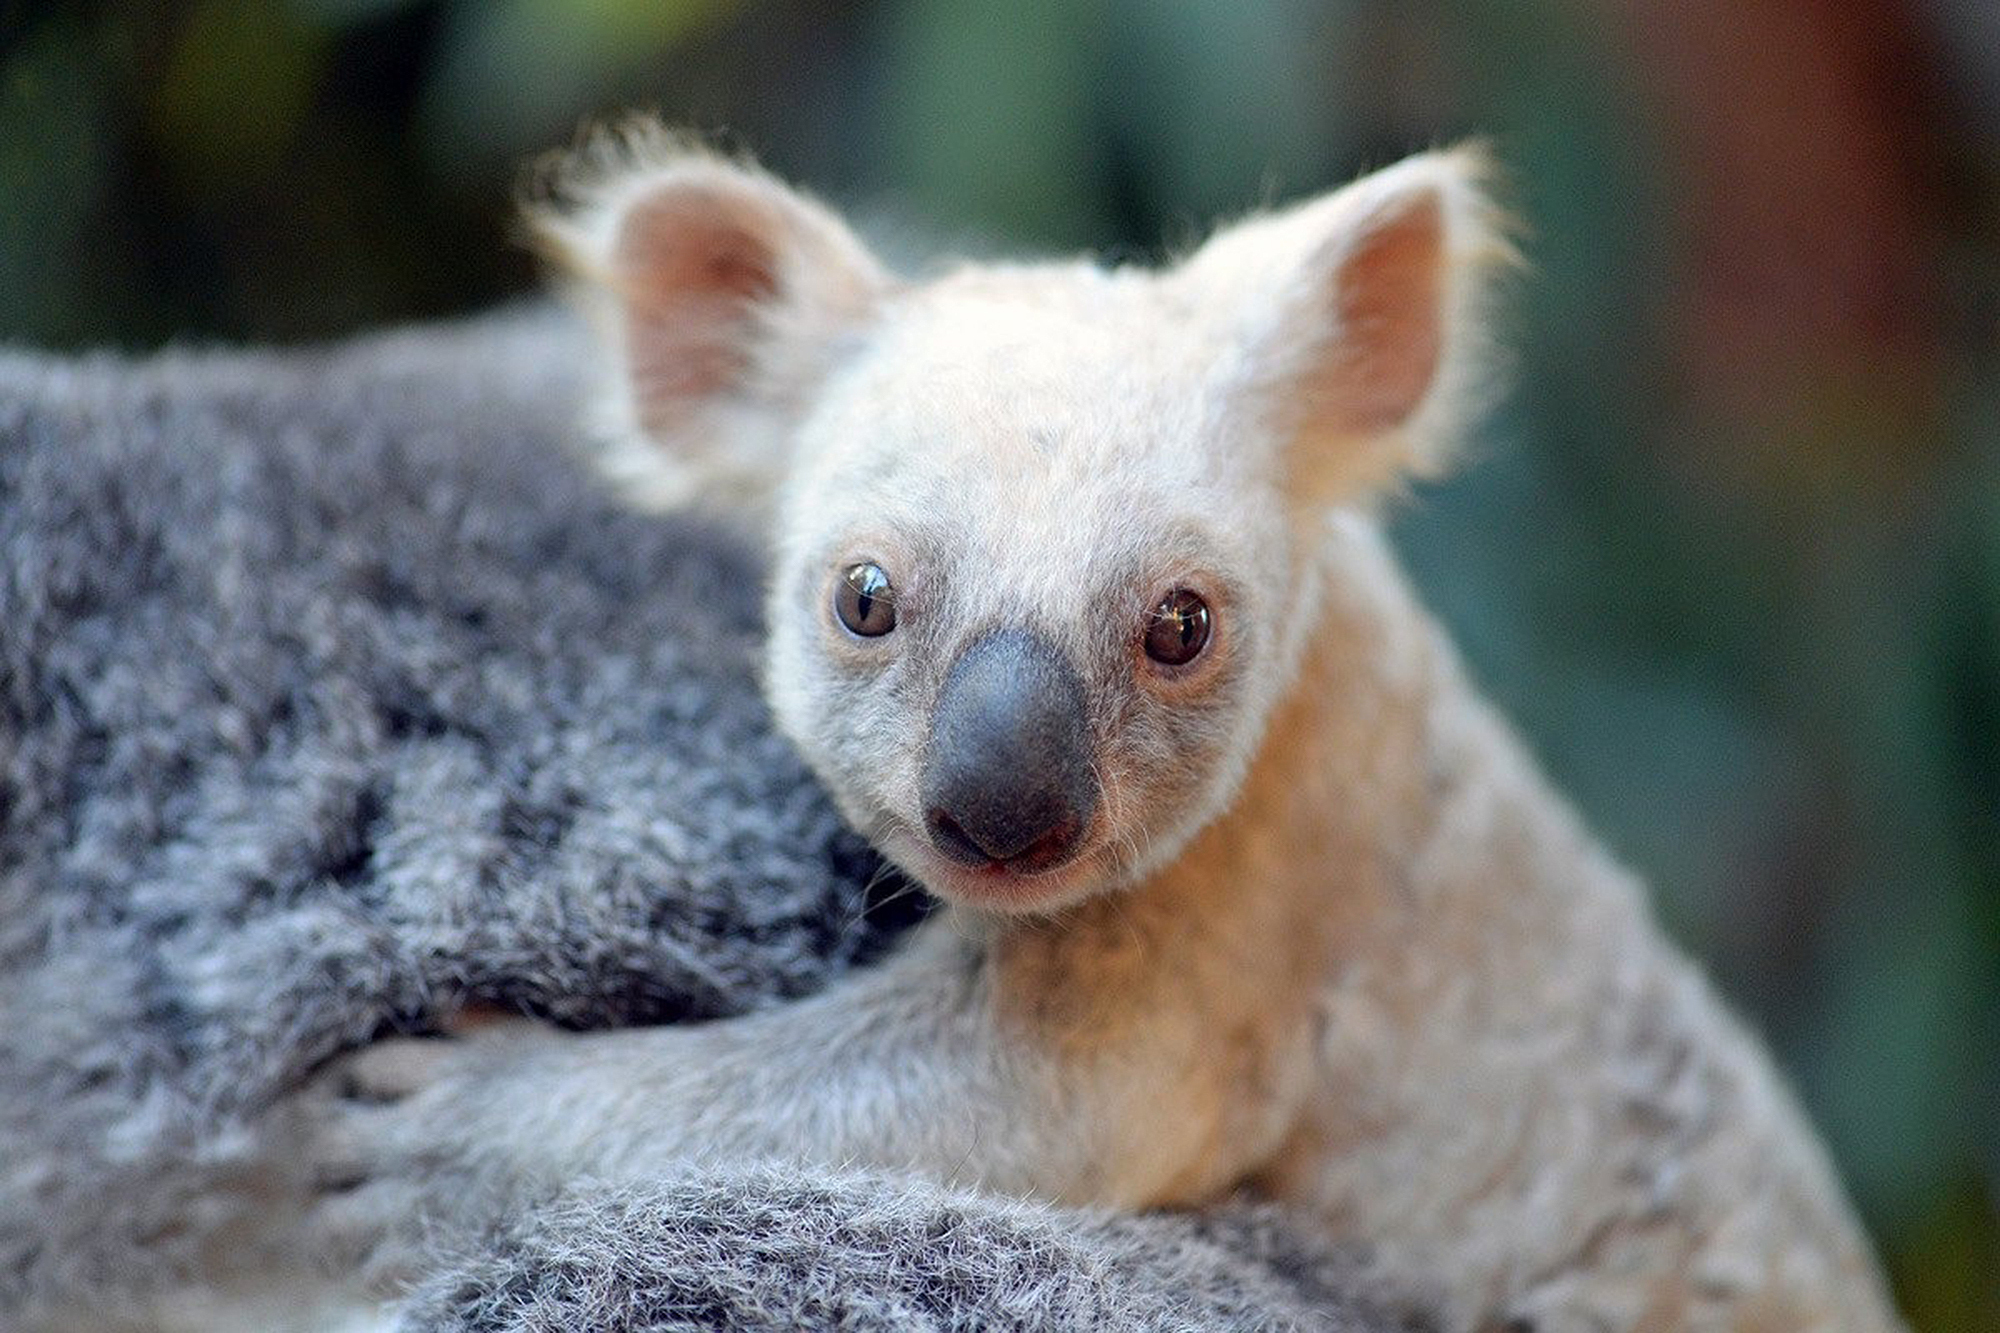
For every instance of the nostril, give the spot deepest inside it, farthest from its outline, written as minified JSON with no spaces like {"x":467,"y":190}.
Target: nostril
{"x":954,"y":841}
{"x":1052,"y":848}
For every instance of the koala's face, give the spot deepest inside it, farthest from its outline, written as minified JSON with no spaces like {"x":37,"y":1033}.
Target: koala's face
{"x":1045,"y":537}
{"x":1030,"y":592}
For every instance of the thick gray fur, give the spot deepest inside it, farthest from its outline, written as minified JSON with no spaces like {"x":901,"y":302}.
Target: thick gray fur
{"x":334,"y":695}
{"x":775,"y":1249}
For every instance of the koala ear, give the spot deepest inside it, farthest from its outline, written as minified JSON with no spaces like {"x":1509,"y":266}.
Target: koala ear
{"x":1356,"y":322}
{"x":725,"y":296}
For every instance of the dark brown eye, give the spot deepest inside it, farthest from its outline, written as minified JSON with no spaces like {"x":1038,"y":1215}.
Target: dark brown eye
{"x":1177,"y":630}
{"x":864,"y":601}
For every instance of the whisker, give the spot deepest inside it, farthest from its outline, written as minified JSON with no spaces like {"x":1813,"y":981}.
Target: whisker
{"x":863,"y":906}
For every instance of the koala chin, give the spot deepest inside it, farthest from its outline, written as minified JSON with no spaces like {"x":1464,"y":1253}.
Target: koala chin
{"x":1081,"y":610}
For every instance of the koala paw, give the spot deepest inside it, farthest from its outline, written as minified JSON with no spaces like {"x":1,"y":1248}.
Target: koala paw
{"x":415,"y":1139}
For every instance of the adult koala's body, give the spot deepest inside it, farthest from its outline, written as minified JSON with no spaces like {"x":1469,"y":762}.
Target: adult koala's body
{"x":1080,"y":612}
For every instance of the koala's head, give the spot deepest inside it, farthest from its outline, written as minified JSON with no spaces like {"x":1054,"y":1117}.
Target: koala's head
{"x":1047,"y":537}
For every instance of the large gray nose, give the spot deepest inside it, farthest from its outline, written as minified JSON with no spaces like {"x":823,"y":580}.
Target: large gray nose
{"x":1007,"y":776}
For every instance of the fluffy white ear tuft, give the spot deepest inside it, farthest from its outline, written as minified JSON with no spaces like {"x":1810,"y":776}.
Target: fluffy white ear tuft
{"x":1358,"y":323}
{"x":726,"y":296}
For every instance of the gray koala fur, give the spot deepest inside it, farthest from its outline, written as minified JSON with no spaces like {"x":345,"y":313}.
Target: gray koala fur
{"x":334,"y":696}
{"x":775,"y":1249}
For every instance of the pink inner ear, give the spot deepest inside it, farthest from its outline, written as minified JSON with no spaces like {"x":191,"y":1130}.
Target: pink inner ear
{"x":1387,"y":291}
{"x":691,"y":263}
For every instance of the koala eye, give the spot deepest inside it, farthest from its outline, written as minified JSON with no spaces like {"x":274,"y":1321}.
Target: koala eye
{"x":864,"y":601}
{"x":1177,"y":630}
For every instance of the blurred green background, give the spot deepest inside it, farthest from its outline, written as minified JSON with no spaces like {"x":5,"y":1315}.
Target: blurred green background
{"x":1731,"y":554}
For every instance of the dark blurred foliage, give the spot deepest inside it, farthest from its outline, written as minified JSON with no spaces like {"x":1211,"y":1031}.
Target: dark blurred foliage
{"x":1731,"y":554}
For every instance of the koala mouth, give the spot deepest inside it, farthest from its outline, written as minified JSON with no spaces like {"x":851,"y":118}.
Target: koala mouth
{"x":1046,"y":851}
{"x":1008,"y":886}
{"x":1059,"y":869}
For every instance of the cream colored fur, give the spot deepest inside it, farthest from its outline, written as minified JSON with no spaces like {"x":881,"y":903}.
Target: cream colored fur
{"x":1332,"y":937}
